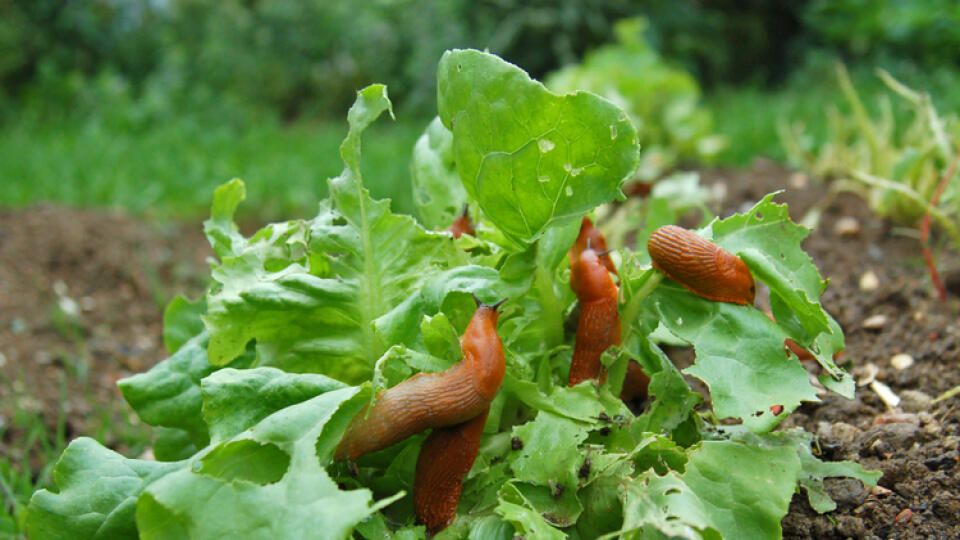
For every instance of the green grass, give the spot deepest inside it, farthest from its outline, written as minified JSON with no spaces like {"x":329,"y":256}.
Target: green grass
{"x":34,"y":443}
{"x":170,"y":168}
{"x":749,"y":116}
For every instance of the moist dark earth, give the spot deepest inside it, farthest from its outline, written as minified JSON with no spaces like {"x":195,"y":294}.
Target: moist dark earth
{"x":81,"y":296}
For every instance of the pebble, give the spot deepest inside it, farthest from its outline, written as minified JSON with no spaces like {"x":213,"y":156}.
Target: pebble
{"x":799,"y":180}
{"x":901,"y":361}
{"x":866,"y":374}
{"x":904,"y":516}
{"x":884,"y":392}
{"x":875,"y":322}
{"x":846,"y":492}
{"x":914,"y":400}
{"x":847,"y":226}
{"x":869,"y":281}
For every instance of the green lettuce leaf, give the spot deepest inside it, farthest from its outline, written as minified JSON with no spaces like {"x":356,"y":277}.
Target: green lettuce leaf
{"x":267,"y":482}
{"x":770,"y":243}
{"x":740,"y":356}
{"x":728,"y":489}
{"x":528,"y":156}
{"x":97,"y":494}
{"x":309,"y":292}
{"x":169,"y":394}
{"x":181,"y":321}
{"x":235,"y":399}
{"x":437,"y":192}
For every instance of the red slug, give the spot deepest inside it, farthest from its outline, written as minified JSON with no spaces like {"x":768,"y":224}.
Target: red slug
{"x":462,"y":224}
{"x":591,"y":237}
{"x":445,"y":458}
{"x":599,"y":325}
{"x":802,"y":354}
{"x":702,"y":267}
{"x":433,"y":400}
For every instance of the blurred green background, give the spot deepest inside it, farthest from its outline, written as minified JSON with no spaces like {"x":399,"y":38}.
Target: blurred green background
{"x":149,"y":104}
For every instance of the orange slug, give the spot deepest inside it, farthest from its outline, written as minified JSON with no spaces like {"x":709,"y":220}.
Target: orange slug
{"x":701,"y":266}
{"x":635,"y":383}
{"x":802,"y":354}
{"x":445,"y":458}
{"x":462,"y":224}
{"x":599,"y":325}
{"x":433,"y":400}
{"x":591,"y":237}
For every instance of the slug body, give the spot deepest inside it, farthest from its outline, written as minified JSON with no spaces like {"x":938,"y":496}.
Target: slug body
{"x":433,"y":400}
{"x":445,"y":458}
{"x":599,"y":326}
{"x":701,"y":266}
{"x":462,"y":224}
{"x":592,"y":236}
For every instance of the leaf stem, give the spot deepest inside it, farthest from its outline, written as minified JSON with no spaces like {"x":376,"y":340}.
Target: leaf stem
{"x":552,"y":310}
{"x":631,"y":311}
{"x":925,"y":231}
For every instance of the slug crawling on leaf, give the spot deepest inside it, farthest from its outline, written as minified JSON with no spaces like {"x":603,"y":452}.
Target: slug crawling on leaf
{"x":433,"y":400}
{"x":802,"y":354}
{"x":599,"y":326}
{"x":701,"y":266}
{"x":462,"y":224}
{"x":445,"y":458}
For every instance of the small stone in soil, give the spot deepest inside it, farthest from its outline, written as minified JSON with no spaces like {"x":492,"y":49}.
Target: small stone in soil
{"x":869,"y":281}
{"x":875,"y":322}
{"x":901,"y":361}
{"x":799,"y":180}
{"x":847,"y":226}
{"x":904,"y":516}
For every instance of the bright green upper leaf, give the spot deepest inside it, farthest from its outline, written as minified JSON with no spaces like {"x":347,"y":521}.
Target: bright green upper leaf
{"x":528,"y":156}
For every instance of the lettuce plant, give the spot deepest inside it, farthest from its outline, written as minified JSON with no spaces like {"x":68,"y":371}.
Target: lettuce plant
{"x":306,"y":320}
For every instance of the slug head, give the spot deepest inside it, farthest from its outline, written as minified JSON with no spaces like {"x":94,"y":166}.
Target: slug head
{"x":739,"y":285}
{"x":483,"y":351}
{"x":591,"y":238}
{"x":590,"y":279}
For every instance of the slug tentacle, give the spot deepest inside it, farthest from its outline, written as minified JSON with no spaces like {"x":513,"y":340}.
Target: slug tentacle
{"x":701,"y":266}
{"x":433,"y":400}
{"x":445,"y":459}
{"x":590,"y":237}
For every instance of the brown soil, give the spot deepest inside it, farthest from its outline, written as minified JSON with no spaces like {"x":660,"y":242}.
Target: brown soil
{"x":81,"y":301}
{"x":915,"y":445}
{"x":118,"y":271}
